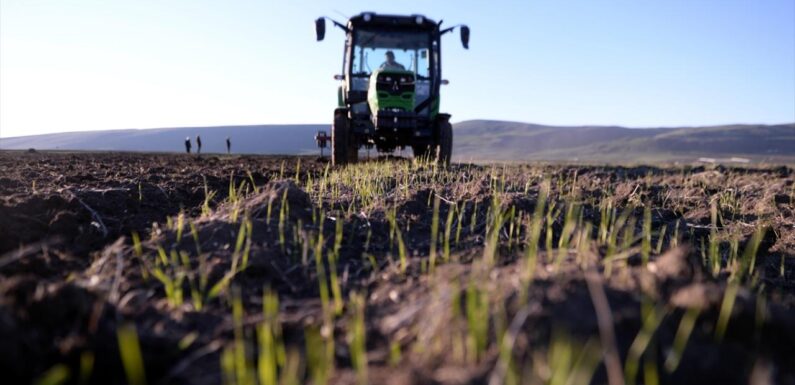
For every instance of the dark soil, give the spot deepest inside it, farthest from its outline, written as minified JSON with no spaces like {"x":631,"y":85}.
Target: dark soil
{"x":71,"y":274}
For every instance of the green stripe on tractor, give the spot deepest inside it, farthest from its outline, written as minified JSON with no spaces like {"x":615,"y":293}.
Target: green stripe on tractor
{"x":404,"y":101}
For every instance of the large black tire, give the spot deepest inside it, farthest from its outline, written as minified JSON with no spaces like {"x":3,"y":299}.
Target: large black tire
{"x":421,"y":152}
{"x":444,"y":147}
{"x":344,"y":148}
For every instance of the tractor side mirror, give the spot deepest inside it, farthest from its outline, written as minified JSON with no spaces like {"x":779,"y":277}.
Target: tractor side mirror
{"x":320,"y":28}
{"x":465,"y":36}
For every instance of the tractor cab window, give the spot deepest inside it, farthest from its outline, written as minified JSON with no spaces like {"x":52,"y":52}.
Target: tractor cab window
{"x":410,"y":50}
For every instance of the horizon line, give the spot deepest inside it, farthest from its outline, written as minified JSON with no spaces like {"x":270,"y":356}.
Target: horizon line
{"x":459,"y":122}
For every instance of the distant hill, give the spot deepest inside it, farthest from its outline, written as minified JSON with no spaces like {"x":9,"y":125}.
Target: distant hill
{"x":511,"y":141}
{"x":266,"y":139}
{"x":475,"y":140}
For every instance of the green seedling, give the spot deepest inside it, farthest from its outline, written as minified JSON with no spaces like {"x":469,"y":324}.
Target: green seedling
{"x":321,"y":274}
{"x":531,"y":258}
{"x":394,"y":353}
{"x":240,"y":257}
{"x":271,"y":348}
{"x":56,"y":375}
{"x":495,"y":220}
{"x":232,"y":193}
{"x":675,"y":238}
{"x":713,"y":258}
{"x":645,"y":248}
{"x":459,"y":223}
{"x":748,"y":262}
{"x":86,"y":367}
{"x":292,"y":373}
{"x":298,"y":171}
{"x":628,"y":237}
{"x":448,"y":228}
{"x":477,"y":313}
{"x":434,"y":233}
{"x":402,"y":253}
{"x":188,"y":340}
{"x":612,"y":248}
{"x":336,"y":290}
{"x":652,"y":318}
{"x":569,"y":225}
{"x":170,"y":275}
{"x":473,"y":220}
{"x":251,"y":179}
{"x":550,"y":219}
{"x":138,"y":251}
{"x":203,"y":270}
{"x":583,"y":243}
{"x":356,"y":338}
{"x":571,"y":362}
{"x":180,"y":226}
{"x":319,"y":356}
{"x":686,"y":325}
{"x":243,"y":368}
{"x":208,"y":197}
{"x":726,"y":307}
{"x":130,"y":351}
{"x":283,"y":214}
{"x":660,"y":238}
{"x":605,"y":217}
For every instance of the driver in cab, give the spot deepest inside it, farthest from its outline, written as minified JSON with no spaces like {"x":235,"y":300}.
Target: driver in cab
{"x":390,"y":63}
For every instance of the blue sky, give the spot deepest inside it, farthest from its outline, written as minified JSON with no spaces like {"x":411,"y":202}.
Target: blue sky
{"x":68,"y":65}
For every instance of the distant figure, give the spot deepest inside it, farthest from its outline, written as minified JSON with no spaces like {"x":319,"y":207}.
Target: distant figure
{"x":198,"y":144}
{"x":187,"y":145}
{"x":228,"y":145}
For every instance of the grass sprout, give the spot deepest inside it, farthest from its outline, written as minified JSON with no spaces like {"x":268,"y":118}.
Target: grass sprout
{"x":131,"y":357}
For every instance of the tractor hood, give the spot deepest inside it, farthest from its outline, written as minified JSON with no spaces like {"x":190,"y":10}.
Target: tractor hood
{"x":391,"y":89}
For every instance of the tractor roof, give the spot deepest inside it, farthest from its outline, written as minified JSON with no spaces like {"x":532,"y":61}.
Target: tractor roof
{"x":374,"y":20}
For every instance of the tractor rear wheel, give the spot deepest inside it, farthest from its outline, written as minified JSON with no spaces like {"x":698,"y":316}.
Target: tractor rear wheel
{"x":344,"y":148}
{"x":444,"y":143}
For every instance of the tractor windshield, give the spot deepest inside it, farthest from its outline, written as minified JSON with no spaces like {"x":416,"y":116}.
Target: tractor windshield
{"x":410,"y":50}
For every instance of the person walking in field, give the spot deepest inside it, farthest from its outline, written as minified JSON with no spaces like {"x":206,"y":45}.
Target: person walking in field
{"x":228,"y":146}
{"x":198,"y":144}
{"x":187,"y":145}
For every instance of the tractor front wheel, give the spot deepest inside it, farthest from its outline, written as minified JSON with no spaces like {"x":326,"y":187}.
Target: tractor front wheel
{"x":344,"y":148}
{"x":444,"y":141}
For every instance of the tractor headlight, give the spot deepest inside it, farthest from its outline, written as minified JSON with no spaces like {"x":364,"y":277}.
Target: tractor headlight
{"x":419,"y":19}
{"x":367,"y":17}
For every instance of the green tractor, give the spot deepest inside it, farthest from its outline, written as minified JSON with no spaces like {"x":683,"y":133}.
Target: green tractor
{"x":389,"y":92}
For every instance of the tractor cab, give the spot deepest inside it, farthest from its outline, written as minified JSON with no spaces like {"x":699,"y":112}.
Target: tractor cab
{"x":388,"y":95}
